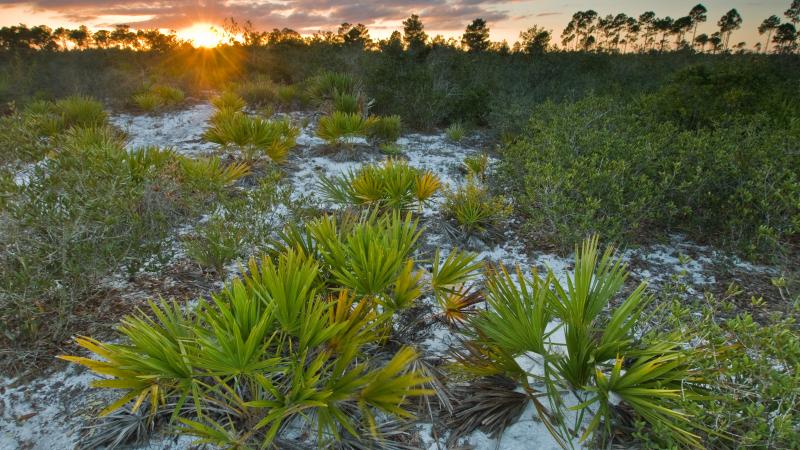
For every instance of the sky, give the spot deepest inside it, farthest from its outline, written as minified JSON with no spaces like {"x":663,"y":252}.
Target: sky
{"x":506,"y":18}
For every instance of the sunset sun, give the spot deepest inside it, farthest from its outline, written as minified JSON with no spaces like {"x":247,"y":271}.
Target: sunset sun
{"x":201,"y":35}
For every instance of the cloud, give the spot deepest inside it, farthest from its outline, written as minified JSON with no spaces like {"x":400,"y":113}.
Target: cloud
{"x":302,"y":15}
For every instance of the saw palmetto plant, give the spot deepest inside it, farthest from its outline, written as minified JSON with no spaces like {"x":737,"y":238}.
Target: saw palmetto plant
{"x":294,"y":342}
{"x":210,"y":174}
{"x":385,"y":129}
{"x":326,"y":85}
{"x":516,"y":336}
{"x":341,"y":128}
{"x":158,"y":97}
{"x":253,"y":136}
{"x":228,"y":100}
{"x":79,"y":111}
{"x":392,"y":185}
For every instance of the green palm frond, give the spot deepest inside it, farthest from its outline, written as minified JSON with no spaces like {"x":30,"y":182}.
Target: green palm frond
{"x":209,"y":174}
{"x":518,"y":313}
{"x":456,"y":270}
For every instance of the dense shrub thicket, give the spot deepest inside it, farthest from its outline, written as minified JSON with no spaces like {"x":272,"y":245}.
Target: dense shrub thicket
{"x":434,"y":88}
{"x":686,"y":158}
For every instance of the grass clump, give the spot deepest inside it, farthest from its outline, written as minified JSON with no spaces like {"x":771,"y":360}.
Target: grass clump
{"x":296,"y":319}
{"x":393,"y":185}
{"x":391,"y":149}
{"x":79,"y":111}
{"x":476,"y":166}
{"x":158,"y":97}
{"x":455,"y":132}
{"x":147,"y":101}
{"x":253,"y":136}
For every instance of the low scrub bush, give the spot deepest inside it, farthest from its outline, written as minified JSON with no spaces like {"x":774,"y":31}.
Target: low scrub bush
{"x":24,"y":137}
{"x":474,"y":209}
{"x":392,"y":185}
{"x":391,"y":149}
{"x":214,"y":244}
{"x":299,"y":337}
{"x":261,"y":211}
{"x":477,"y":165}
{"x":596,"y":165}
{"x":254,"y":136}
{"x":84,"y":214}
{"x":288,"y":94}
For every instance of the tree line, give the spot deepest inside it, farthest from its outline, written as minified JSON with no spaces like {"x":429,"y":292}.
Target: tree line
{"x":586,"y":31}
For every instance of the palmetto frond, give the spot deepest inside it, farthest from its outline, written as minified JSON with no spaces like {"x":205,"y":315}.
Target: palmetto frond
{"x":210,"y":174}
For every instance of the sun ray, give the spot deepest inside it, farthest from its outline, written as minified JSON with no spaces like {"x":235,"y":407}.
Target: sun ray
{"x":201,"y":35}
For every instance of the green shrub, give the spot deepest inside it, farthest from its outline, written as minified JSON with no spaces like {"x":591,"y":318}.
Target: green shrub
{"x":261,"y":211}
{"x":474,"y":209}
{"x":278,"y":345}
{"x":82,"y":216}
{"x":385,"y":129}
{"x":391,"y":185}
{"x":254,"y":136}
{"x":23,"y":138}
{"x":704,"y":95}
{"x":78,"y":139}
{"x":214,"y":244}
{"x":287,"y":94}
{"x":595,"y":165}
{"x":147,"y":162}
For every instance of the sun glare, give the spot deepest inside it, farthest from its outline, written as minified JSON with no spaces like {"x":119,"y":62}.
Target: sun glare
{"x":201,"y":35}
